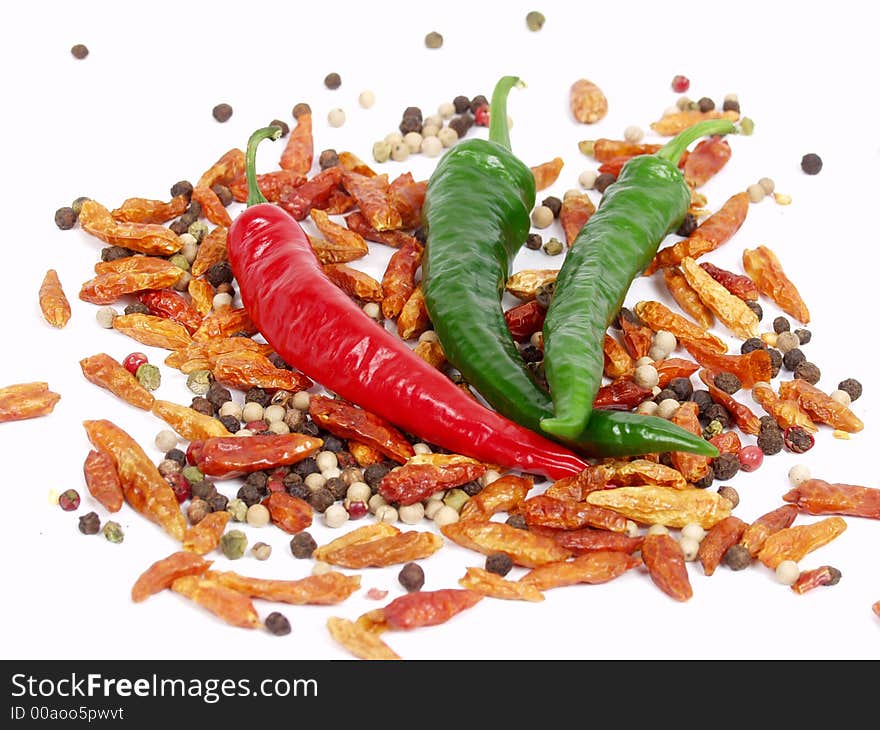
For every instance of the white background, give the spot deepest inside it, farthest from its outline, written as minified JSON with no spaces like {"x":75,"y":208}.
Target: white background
{"x":135,"y":116}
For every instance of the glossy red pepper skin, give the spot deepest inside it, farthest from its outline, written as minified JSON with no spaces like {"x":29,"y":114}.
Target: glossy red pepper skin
{"x":317,"y":328}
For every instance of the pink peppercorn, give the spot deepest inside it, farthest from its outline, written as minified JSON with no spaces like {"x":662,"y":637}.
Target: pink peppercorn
{"x":750,"y":458}
{"x":256,"y":426}
{"x":69,"y":500}
{"x":180,"y":486}
{"x":133,"y":361}
{"x":680,"y":83}
{"x":481,"y":116}
{"x":356,"y":510}
{"x":274,"y":484}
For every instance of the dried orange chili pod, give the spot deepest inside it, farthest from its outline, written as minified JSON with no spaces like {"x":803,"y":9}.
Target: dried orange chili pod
{"x":810,"y":579}
{"x":525,"y":319}
{"x":329,"y":252}
{"x":363,"y":534}
{"x":737,"y":284}
{"x":351,"y":162}
{"x":717,"y":540}
{"x":547,"y":173}
{"x":818,"y":497}
{"x":566,"y":515}
{"x":227,"y":168}
{"x":876,"y":608}
{"x":576,"y":210}
{"x":706,"y":159}
{"x":326,"y":589}
{"x":428,"y":608}
{"x":313,"y":193}
{"x":346,"y":420}
{"x":144,"y":487}
{"x":109,"y":286}
{"x":730,"y":310}
{"x":505,"y":494}
{"x":364,"y":454}
{"x":586,"y":102}
{"x":210,"y":349}
{"x":201,"y":295}
{"x":372,"y":196}
{"x":617,"y":361}
{"x":756,"y":534}
{"x":575,"y":488}
{"x":396,"y":549}
{"x":105,"y":372}
{"x":493,"y":585}
{"x":746,"y":421}
{"x":637,"y":338}
{"x":424,"y":474}
{"x":674,"y":367}
{"x":716,"y":230}
{"x":188,"y":423}
{"x":290,"y":513}
{"x":523,"y":547}
{"x":226,"y":322}
{"x":338,"y":202}
{"x":26,"y":400}
{"x":171,"y":305}
{"x":233,"y":456}
{"x":148,"y":238}
{"x":274,"y":185}
{"x":524,"y":284}
{"x":102,"y":481}
{"x":605,"y":150}
{"x":763,"y":266}
{"x":686,"y":298}
{"x":693,"y":467}
{"x":338,"y":234}
{"x":212,"y":250}
{"x":134,"y":264}
{"x":666,"y":565}
{"x":233,"y":607}
{"x":394,"y":238}
{"x":594,"y":568}
{"x":299,"y":151}
{"x":355,"y":283}
{"x":53,"y":301}
{"x":590,"y":539}
{"x":144,"y":210}
{"x":250,"y":369}
{"x":204,"y":536}
{"x":727,"y":442}
{"x":650,"y":505}
{"x":407,"y":196}
{"x":753,"y":367}
{"x":671,"y":124}
{"x":161,"y":574}
{"x":413,"y":318}
{"x":622,"y":473}
{"x":793,"y":543}
{"x":152,"y":331}
{"x":660,"y":317}
{"x":820,"y":406}
{"x":786,"y":411}
{"x":399,"y":279}
{"x":357,"y":640}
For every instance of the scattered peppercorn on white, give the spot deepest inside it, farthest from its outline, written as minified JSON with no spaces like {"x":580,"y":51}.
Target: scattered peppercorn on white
{"x":689,"y":547}
{"x":258,"y":515}
{"x":787,"y":572}
{"x":798,"y":474}
{"x":335,"y":515}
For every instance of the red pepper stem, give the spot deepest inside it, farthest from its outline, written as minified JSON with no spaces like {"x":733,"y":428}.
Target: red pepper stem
{"x":674,"y":148}
{"x":499,"y":132}
{"x":255,"y":196}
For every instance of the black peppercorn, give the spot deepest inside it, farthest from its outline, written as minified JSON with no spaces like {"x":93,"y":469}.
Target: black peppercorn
{"x":181,"y":187}
{"x":664,"y":394}
{"x":781,"y":324}
{"x":230,"y":423}
{"x":703,"y":400}
{"x":320,"y":499}
{"x":461,"y":124}
{"x":624,"y":313}
{"x":793,"y":358}
{"x":775,"y":361}
{"x":471,"y":488}
{"x":687,"y":226}
{"x":279,"y":361}
{"x":112,"y":253}
{"x":737,"y":557}
{"x":277,"y":624}
{"x":461,"y":104}
{"x":716,"y":412}
{"x":373,"y":474}
{"x":530,"y":353}
{"x":300,"y":109}
{"x":249,"y":494}
{"x":797,"y":439}
{"x":478,"y":101}
{"x":79,"y":51}
{"x":337,"y":487}
{"x":411,"y":577}
{"x":705,"y":104}
{"x":517,"y":521}
{"x":306,"y":466}
{"x":332,"y":80}
{"x":851,"y":386}
{"x":282,"y":125}
{"x":756,"y":308}
{"x":328,"y":158}
{"x":770,"y":441}
{"x":682,"y":387}
{"x":90,"y":523}
{"x":534,"y":242}
{"x":804,"y":335}
{"x":177,"y":455}
{"x":218,"y":502}
{"x":554,"y":203}
{"x":223,"y":193}
{"x":499,"y":563}
{"x":222,"y":112}
{"x":410,"y":124}
{"x":219,"y":273}
{"x":257,"y":395}
{"x":332,"y":443}
{"x":302,"y":545}
{"x":728,"y":382}
{"x":136,"y":308}
{"x":730,"y":494}
{"x":202,"y":405}
{"x":218,"y":395}
{"x":603,"y":180}
{"x":807,"y":371}
{"x":811,"y":163}
{"x":65,"y":218}
{"x":309,"y":428}
{"x":725,"y":466}
{"x":706,"y":480}
{"x":730,"y":105}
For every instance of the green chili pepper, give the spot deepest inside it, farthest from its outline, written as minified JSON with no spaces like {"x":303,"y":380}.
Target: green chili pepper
{"x":476,"y":216}
{"x":649,"y":199}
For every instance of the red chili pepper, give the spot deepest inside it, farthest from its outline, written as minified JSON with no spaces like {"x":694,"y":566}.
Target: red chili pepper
{"x":317,"y":328}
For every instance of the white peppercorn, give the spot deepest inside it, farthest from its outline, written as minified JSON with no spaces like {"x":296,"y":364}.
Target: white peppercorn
{"x":366,"y":99}
{"x":446,"y":110}
{"x":279,"y":428}
{"x":632,"y":529}
{"x":261,"y":550}
{"x":336,"y":117}
{"x":767,"y":184}
{"x":105,"y":317}
{"x":658,"y":530}
{"x":431,"y":145}
{"x":689,"y":547}
{"x":421,"y":448}
{"x":786,"y":341}
{"x":333,"y":472}
{"x":542,"y":216}
{"x":798,"y":474}
{"x":399,"y":152}
{"x":359,"y":492}
{"x":647,"y":408}
{"x":273,"y":412}
{"x":787,"y":572}
{"x":386,"y":513}
{"x":413,"y":141}
{"x":222,"y":300}
{"x":633,"y":133}
{"x":646,"y":376}
{"x":411,"y":514}
{"x":258,"y":515}
{"x":667,"y":407}
{"x":665,"y":341}
{"x":315,"y":480}
{"x":375,"y":502}
{"x":447,"y":136}
{"x":432,"y":506}
{"x":841,"y":396}
{"x":489,"y":476}
{"x":300,"y":400}
{"x":230,"y":408}
{"x":644,"y":360}
{"x":446,"y":515}
{"x":373,"y":311}
{"x":166,"y":440}
{"x":182,"y":283}
{"x":756,"y":193}
{"x":242,"y":432}
{"x":252,"y":411}
{"x":587,"y":179}
{"x":335,"y":515}
{"x":326,"y":460}
{"x":320,"y":568}
{"x":189,"y":247}
{"x":694,"y":531}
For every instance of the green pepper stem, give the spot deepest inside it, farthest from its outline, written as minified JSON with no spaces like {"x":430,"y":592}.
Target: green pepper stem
{"x":674,"y":148}
{"x":499,"y":132}
{"x":255,"y":196}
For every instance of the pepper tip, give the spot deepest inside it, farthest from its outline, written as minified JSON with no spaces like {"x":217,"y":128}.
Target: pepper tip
{"x":562,"y":428}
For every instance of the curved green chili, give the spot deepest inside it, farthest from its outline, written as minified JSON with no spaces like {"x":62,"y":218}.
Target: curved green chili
{"x":649,"y":199}
{"x":477,"y":216}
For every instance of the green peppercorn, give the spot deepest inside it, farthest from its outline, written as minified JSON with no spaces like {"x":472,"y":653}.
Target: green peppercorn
{"x":455,"y":498}
{"x":192,"y":474}
{"x":149,"y":376}
{"x":197,"y":230}
{"x":535,"y":20}
{"x":179,"y":260}
{"x":199,"y":381}
{"x":113,"y":532}
{"x":553,"y":247}
{"x":233,"y":544}
{"x":237,"y":509}
{"x":746,"y":126}
{"x":433,"y":40}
